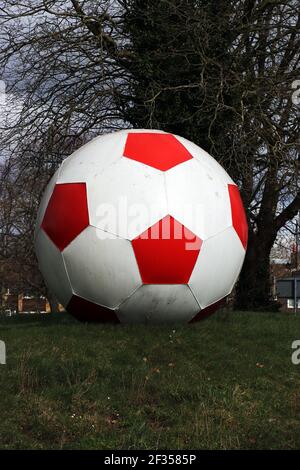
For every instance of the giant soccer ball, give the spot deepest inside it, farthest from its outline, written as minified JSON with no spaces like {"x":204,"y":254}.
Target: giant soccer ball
{"x":141,"y":226}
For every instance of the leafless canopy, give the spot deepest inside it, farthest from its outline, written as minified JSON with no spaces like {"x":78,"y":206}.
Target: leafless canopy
{"x":69,"y":71}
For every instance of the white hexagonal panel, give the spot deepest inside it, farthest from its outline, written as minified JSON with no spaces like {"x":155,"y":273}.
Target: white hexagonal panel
{"x":44,"y":202}
{"x":127,"y":198}
{"x":51,"y":265}
{"x":207,"y":160}
{"x":159,"y":303}
{"x":217,"y":267}
{"x":102,"y":268}
{"x":197,"y":199}
{"x":92,"y":158}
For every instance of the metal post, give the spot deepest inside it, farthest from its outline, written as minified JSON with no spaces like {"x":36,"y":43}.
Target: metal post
{"x":297,"y":241}
{"x":295,"y":295}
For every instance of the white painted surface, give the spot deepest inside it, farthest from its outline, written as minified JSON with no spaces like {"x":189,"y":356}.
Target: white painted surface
{"x":217,"y":267}
{"x":101,"y":269}
{"x":52,"y":267}
{"x":207,"y":160}
{"x":159,"y":303}
{"x":127,"y":198}
{"x":197,"y":199}
{"x":92,"y":159}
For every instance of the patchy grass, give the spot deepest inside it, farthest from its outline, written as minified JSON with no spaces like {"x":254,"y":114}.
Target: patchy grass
{"x":225,"y":383}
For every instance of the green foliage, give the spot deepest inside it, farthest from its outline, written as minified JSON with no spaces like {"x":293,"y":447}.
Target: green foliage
{"x":227,"y":382}
{"x":180,"y":60}
{"x":220,"y":74}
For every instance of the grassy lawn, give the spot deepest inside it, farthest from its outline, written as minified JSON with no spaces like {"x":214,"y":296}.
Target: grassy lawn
{"x":225,"y":383}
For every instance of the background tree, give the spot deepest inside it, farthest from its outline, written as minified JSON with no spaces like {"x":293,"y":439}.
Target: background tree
{"x":219,"y":73}
{"x":18,"y":264}
{"x":60,"y":81}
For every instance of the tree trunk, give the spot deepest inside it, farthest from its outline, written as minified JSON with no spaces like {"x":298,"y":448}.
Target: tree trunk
{"x":253,"y":291}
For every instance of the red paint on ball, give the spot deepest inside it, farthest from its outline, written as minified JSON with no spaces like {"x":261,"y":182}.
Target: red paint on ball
{"x":161,"y":151}
{"x":208,"y":311}
{"x":67,"y":213}
{"x":239,"y":220}
{"x":166,"y":253}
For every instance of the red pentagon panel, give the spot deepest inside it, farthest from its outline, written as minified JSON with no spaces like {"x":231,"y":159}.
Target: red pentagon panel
{"x":208,"y":311}
{"x":161,"y":151}
{"x":166,"y":253}
{"x":84,"y":310}
{"x":239,"y":220}
{"x":67,"y":213}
